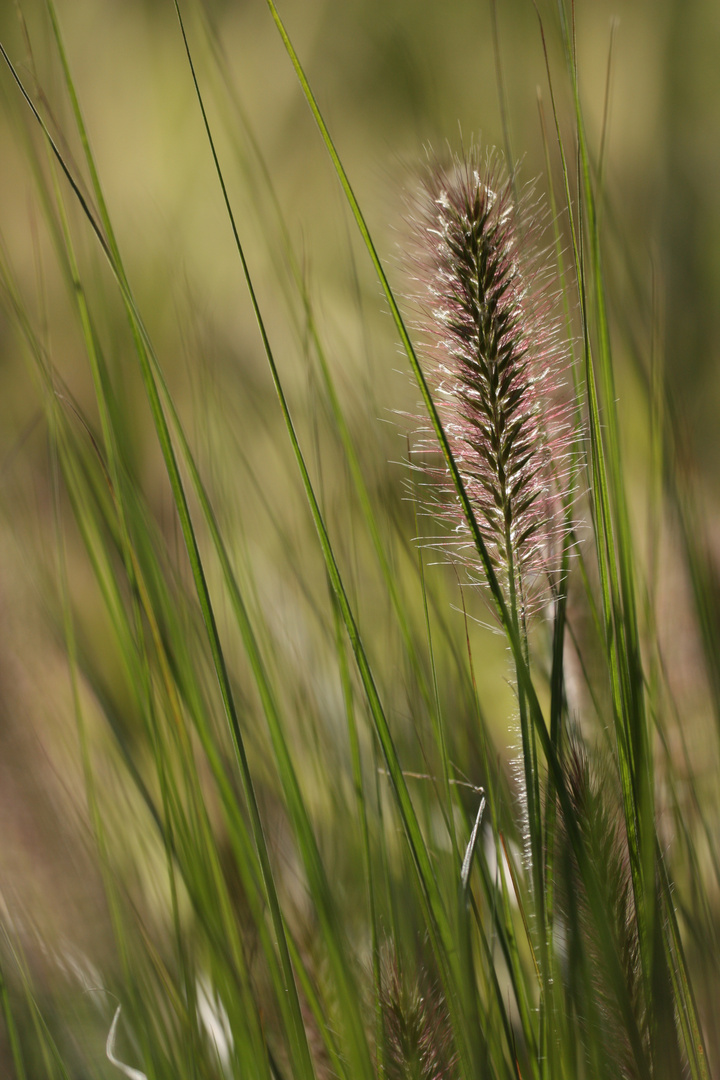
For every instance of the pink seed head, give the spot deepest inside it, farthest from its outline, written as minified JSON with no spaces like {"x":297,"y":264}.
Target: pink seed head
{"x":495,"y":359}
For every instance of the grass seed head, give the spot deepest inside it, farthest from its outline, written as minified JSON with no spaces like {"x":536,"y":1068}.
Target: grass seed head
{"x":495,"y":358}
{"x":418,"y":1034}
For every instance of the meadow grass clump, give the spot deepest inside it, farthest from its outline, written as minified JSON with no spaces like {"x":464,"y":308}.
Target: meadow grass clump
{"x":289,"y":734}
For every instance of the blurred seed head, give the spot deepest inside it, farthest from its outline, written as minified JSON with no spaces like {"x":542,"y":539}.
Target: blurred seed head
{"x":595,"y":808}
{"x":418,"y":1035}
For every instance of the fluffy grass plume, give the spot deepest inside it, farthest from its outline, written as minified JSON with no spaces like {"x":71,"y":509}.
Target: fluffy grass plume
{"x":496,"y":359}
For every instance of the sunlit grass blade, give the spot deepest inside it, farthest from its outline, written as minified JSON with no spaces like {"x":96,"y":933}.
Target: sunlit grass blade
{"x":305,"y":834}
{"x":290,"y":1001}
{"x":438,"y":924}
{"x":11,"y":1028}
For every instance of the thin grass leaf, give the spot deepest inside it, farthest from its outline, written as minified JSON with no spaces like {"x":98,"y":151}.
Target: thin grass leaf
{"x":438,"y":924}
{"x":290,"y":1000}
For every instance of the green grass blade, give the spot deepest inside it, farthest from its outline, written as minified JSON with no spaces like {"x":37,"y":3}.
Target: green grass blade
{"x":436,"y":916}
{"x":295,"y":1025}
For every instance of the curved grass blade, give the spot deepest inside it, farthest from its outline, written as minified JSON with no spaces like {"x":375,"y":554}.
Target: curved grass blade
{"x":289,"y":1003}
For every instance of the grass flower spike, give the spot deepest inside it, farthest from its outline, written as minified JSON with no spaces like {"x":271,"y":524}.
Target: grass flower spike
{"x":418,"y":1033}
{"x":496,"y":365}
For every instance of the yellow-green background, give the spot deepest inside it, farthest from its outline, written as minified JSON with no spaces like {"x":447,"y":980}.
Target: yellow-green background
{"x":392,"y":78}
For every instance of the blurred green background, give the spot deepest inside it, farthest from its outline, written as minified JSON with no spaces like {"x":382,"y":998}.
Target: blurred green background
{"x":393,"y":77}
